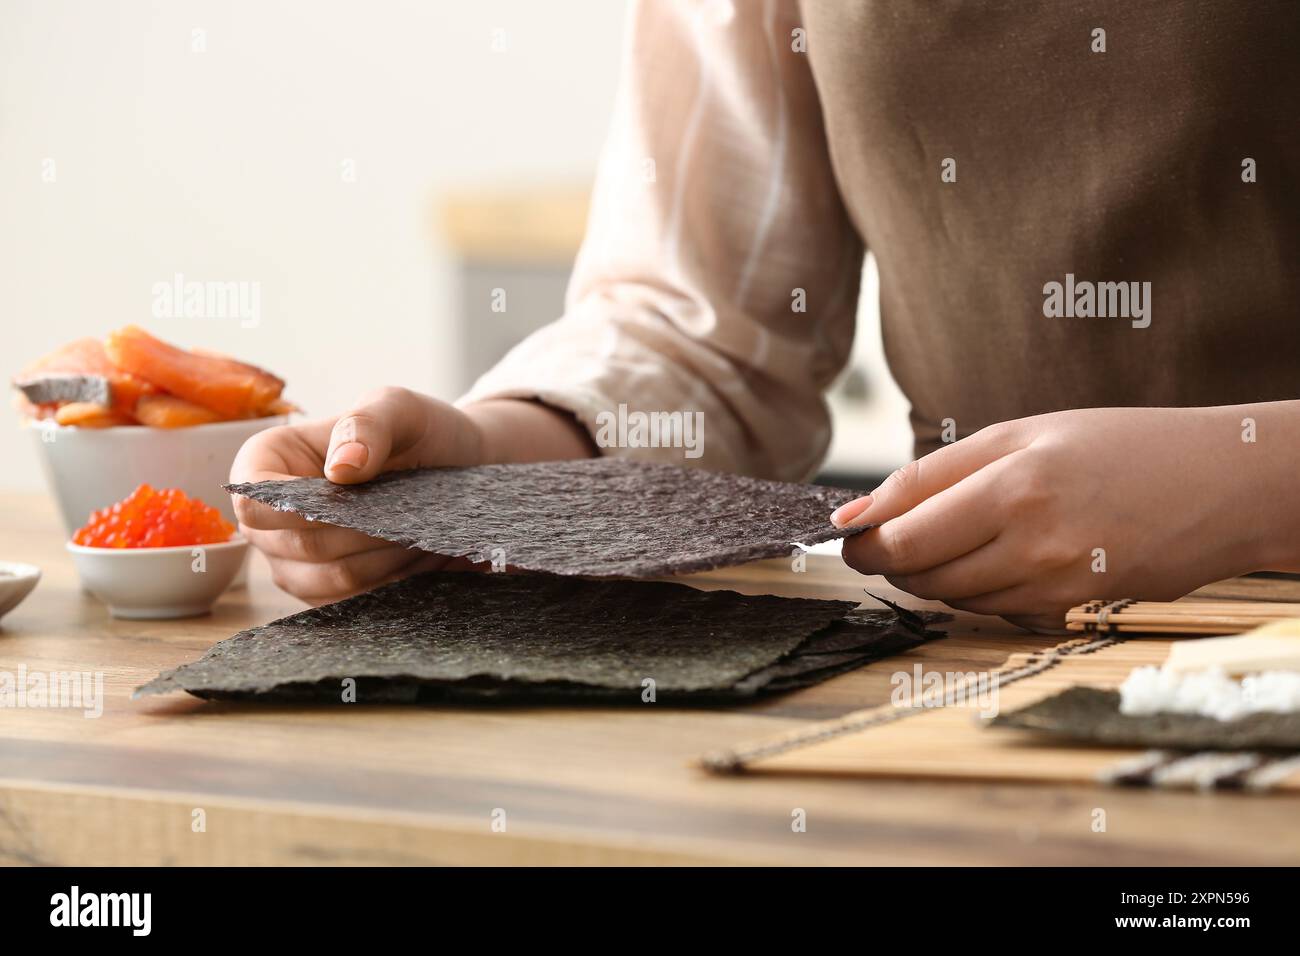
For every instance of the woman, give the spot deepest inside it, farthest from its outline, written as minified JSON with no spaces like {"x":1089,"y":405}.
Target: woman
{"x":1086,"y":227}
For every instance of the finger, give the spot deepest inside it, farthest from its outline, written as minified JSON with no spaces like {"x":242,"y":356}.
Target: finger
{"x":1025,"y":600}
{"x":254,"y":515}
{"x":278,"y":454}
{"x":990,"y":567}
{"x":938,"y":530}
{"x":1051,"y":624}
{"x":353,"y":574}
{"x":314,"y":544}
{"x":424,"y":562}
{"x":921,"y":479}
{"x":363,"y":440}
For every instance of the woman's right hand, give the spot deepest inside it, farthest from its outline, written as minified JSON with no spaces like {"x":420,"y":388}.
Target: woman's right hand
{"x":389,"y":430}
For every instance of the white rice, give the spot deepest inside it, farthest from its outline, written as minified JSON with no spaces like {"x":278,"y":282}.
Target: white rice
{"x":1209,"y":693}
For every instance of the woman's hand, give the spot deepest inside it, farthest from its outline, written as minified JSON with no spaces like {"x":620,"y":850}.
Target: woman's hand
{"x":389,"y":430}
{"x":1028,"y":518}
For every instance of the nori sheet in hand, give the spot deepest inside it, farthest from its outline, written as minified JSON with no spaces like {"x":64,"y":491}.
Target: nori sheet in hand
{"x":601,"y":517}
{"x":540,"y":638}
{"x":1092,"y":715}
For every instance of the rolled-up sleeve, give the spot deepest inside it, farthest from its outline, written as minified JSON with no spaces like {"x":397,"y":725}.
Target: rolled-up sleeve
{"x":719,"y":274}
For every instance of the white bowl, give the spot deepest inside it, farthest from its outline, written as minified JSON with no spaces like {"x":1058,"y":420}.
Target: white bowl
{"x":16,"y":582}
{"x":90,"y":468}
{"x":152,"y":583}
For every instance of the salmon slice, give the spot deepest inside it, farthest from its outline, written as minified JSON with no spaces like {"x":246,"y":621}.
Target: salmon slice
{"x":81,"y":372}
{"x":168,"y":411}
{"x":282,"y":407}
{"x":31,"y":411}
{"x":84,"y":355}
{"x":231,"y":389}
{"x":90,"y":415}
{"x":279,"y":406}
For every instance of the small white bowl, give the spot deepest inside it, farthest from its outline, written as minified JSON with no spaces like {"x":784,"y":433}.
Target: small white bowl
{"x":90,"y":468}
{"x":157,"y":583}
{"x":16,"y":582}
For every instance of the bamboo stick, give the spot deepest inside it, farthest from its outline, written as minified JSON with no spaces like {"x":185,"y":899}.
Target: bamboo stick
{"x":1180,"y":617}
{"x":1189,"y":630}
{"x":1191,"y":607}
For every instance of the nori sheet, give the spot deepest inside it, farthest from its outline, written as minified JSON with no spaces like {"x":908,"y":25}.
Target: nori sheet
{"x":524,"y":638}
{"x":600,"y":517}
{"x":1092,"y":715}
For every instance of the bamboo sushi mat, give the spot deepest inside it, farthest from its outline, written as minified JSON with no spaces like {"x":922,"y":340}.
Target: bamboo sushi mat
{"x":946,"y":740}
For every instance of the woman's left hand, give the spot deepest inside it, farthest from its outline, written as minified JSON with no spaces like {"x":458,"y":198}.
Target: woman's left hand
{"x":1028,"y":518}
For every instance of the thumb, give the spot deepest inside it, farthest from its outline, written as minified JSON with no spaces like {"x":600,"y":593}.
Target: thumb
{"x":921,"y":479}
{"x":364,"y":439}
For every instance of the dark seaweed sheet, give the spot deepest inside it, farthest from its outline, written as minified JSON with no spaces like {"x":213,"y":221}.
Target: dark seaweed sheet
{"x":541,"y":638}
{"x":1092,"y":714}
{"x":600,"y":517}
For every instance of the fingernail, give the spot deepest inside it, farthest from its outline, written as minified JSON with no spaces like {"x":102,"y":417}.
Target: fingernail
{"x":845,"y":515}
{"x":352,"y":454}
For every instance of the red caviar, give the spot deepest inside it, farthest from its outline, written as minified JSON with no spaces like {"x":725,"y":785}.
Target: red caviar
{"x":147,"y":518}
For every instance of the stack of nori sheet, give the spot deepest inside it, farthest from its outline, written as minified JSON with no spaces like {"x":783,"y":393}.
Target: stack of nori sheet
{"x":458,"y":635}
{"x":560,"y":634}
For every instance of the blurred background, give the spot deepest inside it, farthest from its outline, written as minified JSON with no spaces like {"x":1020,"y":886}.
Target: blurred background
{"x":372,"y":170}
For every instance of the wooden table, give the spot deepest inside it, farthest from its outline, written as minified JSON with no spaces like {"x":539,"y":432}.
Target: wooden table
{"x":398,"y":785}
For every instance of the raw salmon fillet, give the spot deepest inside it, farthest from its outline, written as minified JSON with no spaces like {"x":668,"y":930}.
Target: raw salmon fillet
{"x":86,"y":358}
{"x":168,"y":411}
{"x":90,"y":415}
{"x":231,"y":389}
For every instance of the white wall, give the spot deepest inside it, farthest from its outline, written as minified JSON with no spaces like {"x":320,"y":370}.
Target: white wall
{"x":226,"y":165}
